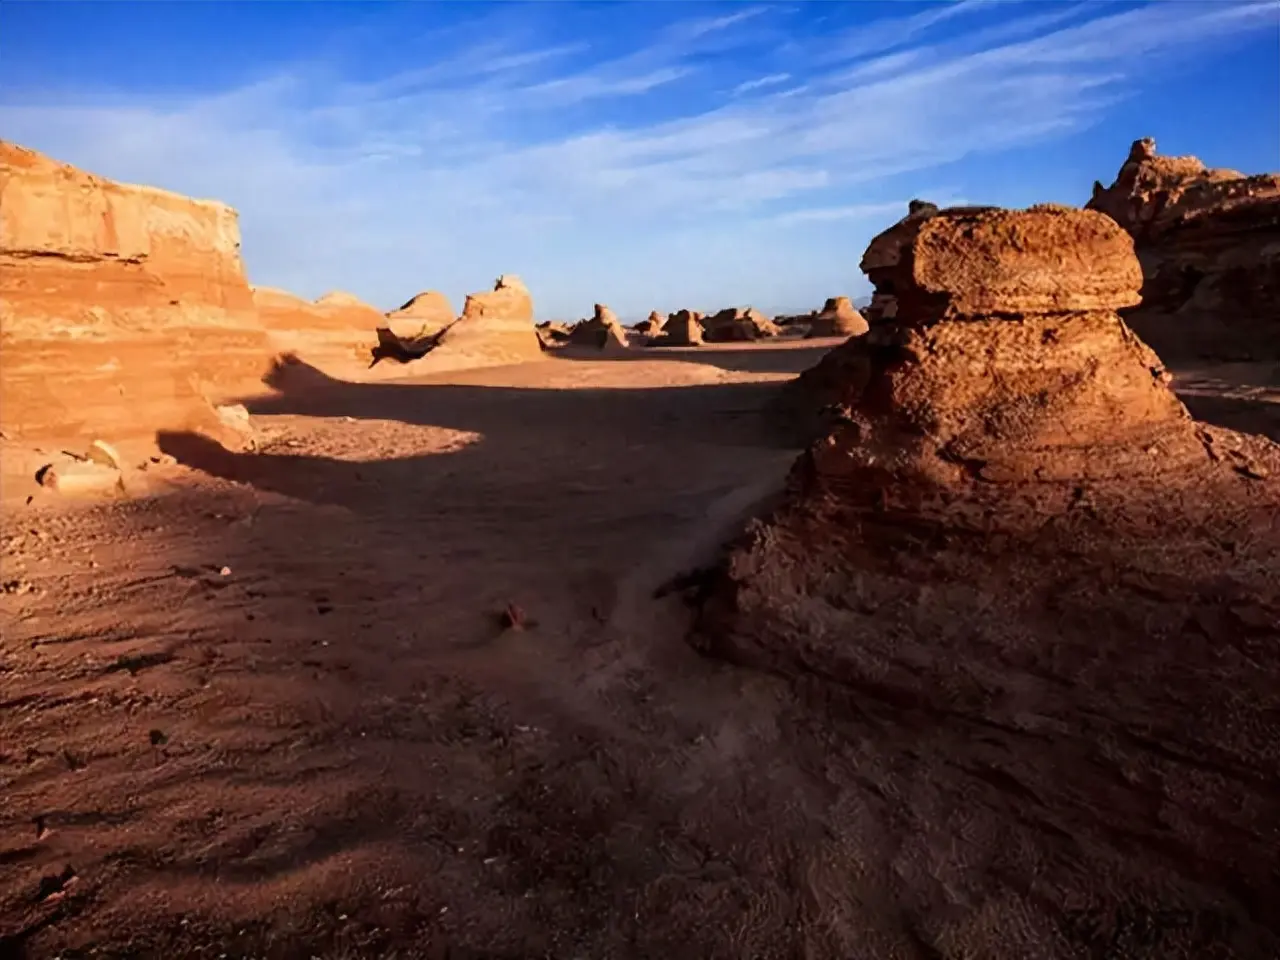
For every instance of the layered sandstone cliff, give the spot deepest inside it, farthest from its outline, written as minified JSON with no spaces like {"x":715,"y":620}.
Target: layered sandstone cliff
{"x":336,"y":333}
{"x":1027,"y":580}
{"x":1209,"y":243}
{"x":123,"y":309}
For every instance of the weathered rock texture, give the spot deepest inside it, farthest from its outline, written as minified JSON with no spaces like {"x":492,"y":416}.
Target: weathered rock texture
{"x":682,"y":329}
{"x":335,"y":333}
{"x":1044,"y":596}
{"x":736,"y":323}
{"x":495,"y":329}
{"x":602,"y":331}
{"x":837,"y":318}
{"x":123,"y":310}
{"x":424,"y":315}
{"x":553,"y":334}
{"x":651,"y":325}
{"x":1209,"y":243}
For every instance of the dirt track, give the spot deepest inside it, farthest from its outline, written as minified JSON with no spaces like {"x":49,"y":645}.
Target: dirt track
{"x":335,"y":749}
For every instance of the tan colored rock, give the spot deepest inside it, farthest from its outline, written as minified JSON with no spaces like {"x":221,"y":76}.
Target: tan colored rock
{"x":652,"y":325}
{"x":601,"y":331}
{"x":682,"y":329}
{"x":736,"y":323}
{"x":553,"y":334}
{"x":837,"y":318}
{"x":495,"y":329}
{"x":123,"y":309}
{"x":423,"y":315}
{"x":1209,"y":244}
{"x":335,"y":333}
{"x":76,"y":478}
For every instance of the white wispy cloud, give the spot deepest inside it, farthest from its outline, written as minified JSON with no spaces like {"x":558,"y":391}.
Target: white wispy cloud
{"x":504,"y":158}
{"x":772,"y":80}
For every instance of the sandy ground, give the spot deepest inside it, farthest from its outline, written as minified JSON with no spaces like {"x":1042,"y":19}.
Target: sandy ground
{"x":267,"y":707}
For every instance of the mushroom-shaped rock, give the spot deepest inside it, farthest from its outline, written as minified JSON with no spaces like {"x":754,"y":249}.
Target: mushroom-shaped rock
{"x":988,"y":551}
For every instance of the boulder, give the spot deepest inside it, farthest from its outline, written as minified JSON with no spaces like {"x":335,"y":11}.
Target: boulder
{"x":424,"y":315}
{"x":1008,"y":545}
{"x":837,"y":318}
{"x":738,"y":324}
{"x":123,"y":309}
{"x":1209,"y":244}
{"x":602,"y":331}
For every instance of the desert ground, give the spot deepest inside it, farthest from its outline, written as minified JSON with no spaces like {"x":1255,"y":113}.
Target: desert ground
{"x":268,"y":704}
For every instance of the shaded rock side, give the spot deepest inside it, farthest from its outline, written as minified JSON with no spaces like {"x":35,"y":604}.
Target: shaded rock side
{"x":123,"y":309}
{"x":1015,"y":573}
{"x":837,"y":318}
{"x":651,"y":325}
{"x":423,"y":315}
{"x":1209,"y":244}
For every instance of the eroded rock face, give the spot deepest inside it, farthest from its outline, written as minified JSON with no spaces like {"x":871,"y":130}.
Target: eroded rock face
{"x":1209,"y":243}
{"x":737,"y":324}
{"x":602,"y":331}
{"x":124,"y":309}
{"x":335,"y":333}
{"x":423,"y":315}
{"x":652,"y":325}
{"x":1011,"y":547}
{"x":837,"y":318}
{"x":682,"y":329}
{"x":496,"y":328}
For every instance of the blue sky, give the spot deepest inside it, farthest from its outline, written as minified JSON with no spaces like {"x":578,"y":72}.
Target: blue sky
{"x":653,"y":155}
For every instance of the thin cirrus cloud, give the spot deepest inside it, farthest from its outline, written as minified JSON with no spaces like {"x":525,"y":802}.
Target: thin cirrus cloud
{"x":662,"y":176}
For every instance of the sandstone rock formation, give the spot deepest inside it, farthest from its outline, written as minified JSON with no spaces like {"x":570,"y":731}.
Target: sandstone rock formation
{"x":1022,"y":569}
{"x":1209,"y":243}
{"x":837,"y":318}
{"x":652,"y":325}
{"x":736,"y":323}
{"x":495,"y":329}
{"x":601,"y":331}
{"x":123,"y":309}
{"x":552,"y":334}
{"x":336,"y":332}
{"x":422,"y":316}
{"x":682,"y":329}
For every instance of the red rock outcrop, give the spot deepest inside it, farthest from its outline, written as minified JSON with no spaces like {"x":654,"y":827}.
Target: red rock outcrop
{"x":123,"y":310}
{"x":736,"y":323}
{"x":495,"y":329}
{"x":424,"y":315}
{"x":602,"y":331}
{"x":1209,"y":243}
{"x":1027,"y":580}
{"x":837,"y":318}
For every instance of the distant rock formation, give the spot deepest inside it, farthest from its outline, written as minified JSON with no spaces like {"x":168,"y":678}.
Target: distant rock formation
{"x":837,"y":318}
{"x":334,"y":333}
{"x":495,"y":329}
{"x":1209,"y":243}
{"x":552,"y":334}
{"x":651,"y":326}
{"x":123,"y":309}
{"x":423,"y":315}
{"x":601,"y":331}
{"x":1012,"y":544}
{"x":736,"y":323}
{"x":682,"y":329}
